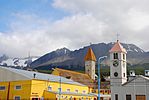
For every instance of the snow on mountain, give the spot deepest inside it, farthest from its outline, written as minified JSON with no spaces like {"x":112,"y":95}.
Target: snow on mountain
{"x":18,"y":62}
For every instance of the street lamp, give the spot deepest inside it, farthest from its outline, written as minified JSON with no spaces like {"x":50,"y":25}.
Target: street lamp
{"x":60,"y":86}
{"x":99,"y":62}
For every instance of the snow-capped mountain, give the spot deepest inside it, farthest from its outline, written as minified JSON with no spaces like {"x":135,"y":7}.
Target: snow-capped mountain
{"x":17,"y":62}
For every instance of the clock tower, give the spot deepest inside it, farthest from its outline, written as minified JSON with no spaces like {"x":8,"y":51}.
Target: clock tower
{"x":118,"y":70}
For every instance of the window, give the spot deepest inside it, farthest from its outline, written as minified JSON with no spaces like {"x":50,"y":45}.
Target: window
{"x":115,"y":55}
{"x":124,"y":56}
{"x":128,"y":97}
{"x":68,"y":90}
{"x":124,"y":74}
{"x":49,"y":88}
{"x":59,"y":89}
{"x":84,"y":91}
{"x":17,"y":98}
{"x":18,"y":87}
{"x":140,"y":97}
{"x":2,"y":87}
{"x":35,"y":98}
{"x":76,"y":91}
{"x":116,"y":96}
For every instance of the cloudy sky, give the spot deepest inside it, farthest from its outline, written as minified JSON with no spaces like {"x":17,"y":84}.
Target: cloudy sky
{"x":41,"y":26}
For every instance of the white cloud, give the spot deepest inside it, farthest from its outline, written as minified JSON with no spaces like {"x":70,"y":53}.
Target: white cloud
{"x":90,"y":21}
{"x":137,"y":20}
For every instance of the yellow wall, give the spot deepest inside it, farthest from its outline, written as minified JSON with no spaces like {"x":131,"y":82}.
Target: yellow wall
{"x":24,"y":92}
{"x":48,"y":95}
{"x":3,"y":93}
{"x":39,"y":86}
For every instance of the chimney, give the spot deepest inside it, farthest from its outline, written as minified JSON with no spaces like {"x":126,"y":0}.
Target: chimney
{"x":34,"y":75}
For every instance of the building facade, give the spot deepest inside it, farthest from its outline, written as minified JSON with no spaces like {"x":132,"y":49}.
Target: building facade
{"x":137,"y":88}
{"x":18,"y":84}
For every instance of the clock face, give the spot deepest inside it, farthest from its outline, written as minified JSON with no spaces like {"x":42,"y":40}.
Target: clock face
{"x":115,"y":63}
{"x":115,"y":74}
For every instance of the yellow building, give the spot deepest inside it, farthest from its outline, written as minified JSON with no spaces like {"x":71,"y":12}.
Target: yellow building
{"x":16,"y":84}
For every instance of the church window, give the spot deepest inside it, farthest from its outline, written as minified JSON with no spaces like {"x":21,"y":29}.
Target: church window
{"x":124,"y":56}
{"x":128,"y":97}
{"x":115,"y":55}
{"x":116,"y":96}
{"x":124,"y":74}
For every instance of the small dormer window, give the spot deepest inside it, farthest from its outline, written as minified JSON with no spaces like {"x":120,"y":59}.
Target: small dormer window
{"x":115,"y":55}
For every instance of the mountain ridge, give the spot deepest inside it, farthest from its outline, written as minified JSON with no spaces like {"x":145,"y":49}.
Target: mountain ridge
{"x":66,"y":57}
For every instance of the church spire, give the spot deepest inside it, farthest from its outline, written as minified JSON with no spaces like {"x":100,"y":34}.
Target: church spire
{"x":90,"y":55}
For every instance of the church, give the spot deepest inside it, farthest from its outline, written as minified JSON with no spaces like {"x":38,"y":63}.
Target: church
{"x":122,"y":88}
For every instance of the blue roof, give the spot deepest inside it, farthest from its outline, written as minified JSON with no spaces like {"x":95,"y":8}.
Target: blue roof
{"x":42,"y":76}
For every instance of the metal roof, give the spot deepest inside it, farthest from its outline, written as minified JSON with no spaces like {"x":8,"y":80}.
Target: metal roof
{"x":137,"y":76}
{"x":42,"y":76}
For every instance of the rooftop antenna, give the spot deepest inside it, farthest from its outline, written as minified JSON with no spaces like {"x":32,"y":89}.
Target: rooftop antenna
{"x":90,"y":44}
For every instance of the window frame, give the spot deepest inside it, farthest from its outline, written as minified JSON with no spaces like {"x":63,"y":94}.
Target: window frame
{"x":83,"y":91}
{"x":2,"y":89}
{"x":127,"y":96}
{"x":76,"y":91}
{"x":18,"y":86}
{"x":115,"y":55}
{"x":17,"y":98}
{"x":116,"y":96}
{"x":68,"y":90}
{"x":49,"y":88}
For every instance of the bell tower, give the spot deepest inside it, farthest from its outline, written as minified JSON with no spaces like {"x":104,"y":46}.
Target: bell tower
{"x":118,"y":70}
{"x":90,"y":62}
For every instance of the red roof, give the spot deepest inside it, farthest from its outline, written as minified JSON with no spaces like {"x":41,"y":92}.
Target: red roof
{"x":118,"y":48}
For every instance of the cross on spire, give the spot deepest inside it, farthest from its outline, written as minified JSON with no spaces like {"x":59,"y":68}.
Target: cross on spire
{"x":117,"y":35}
{"x":90,"y":43}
